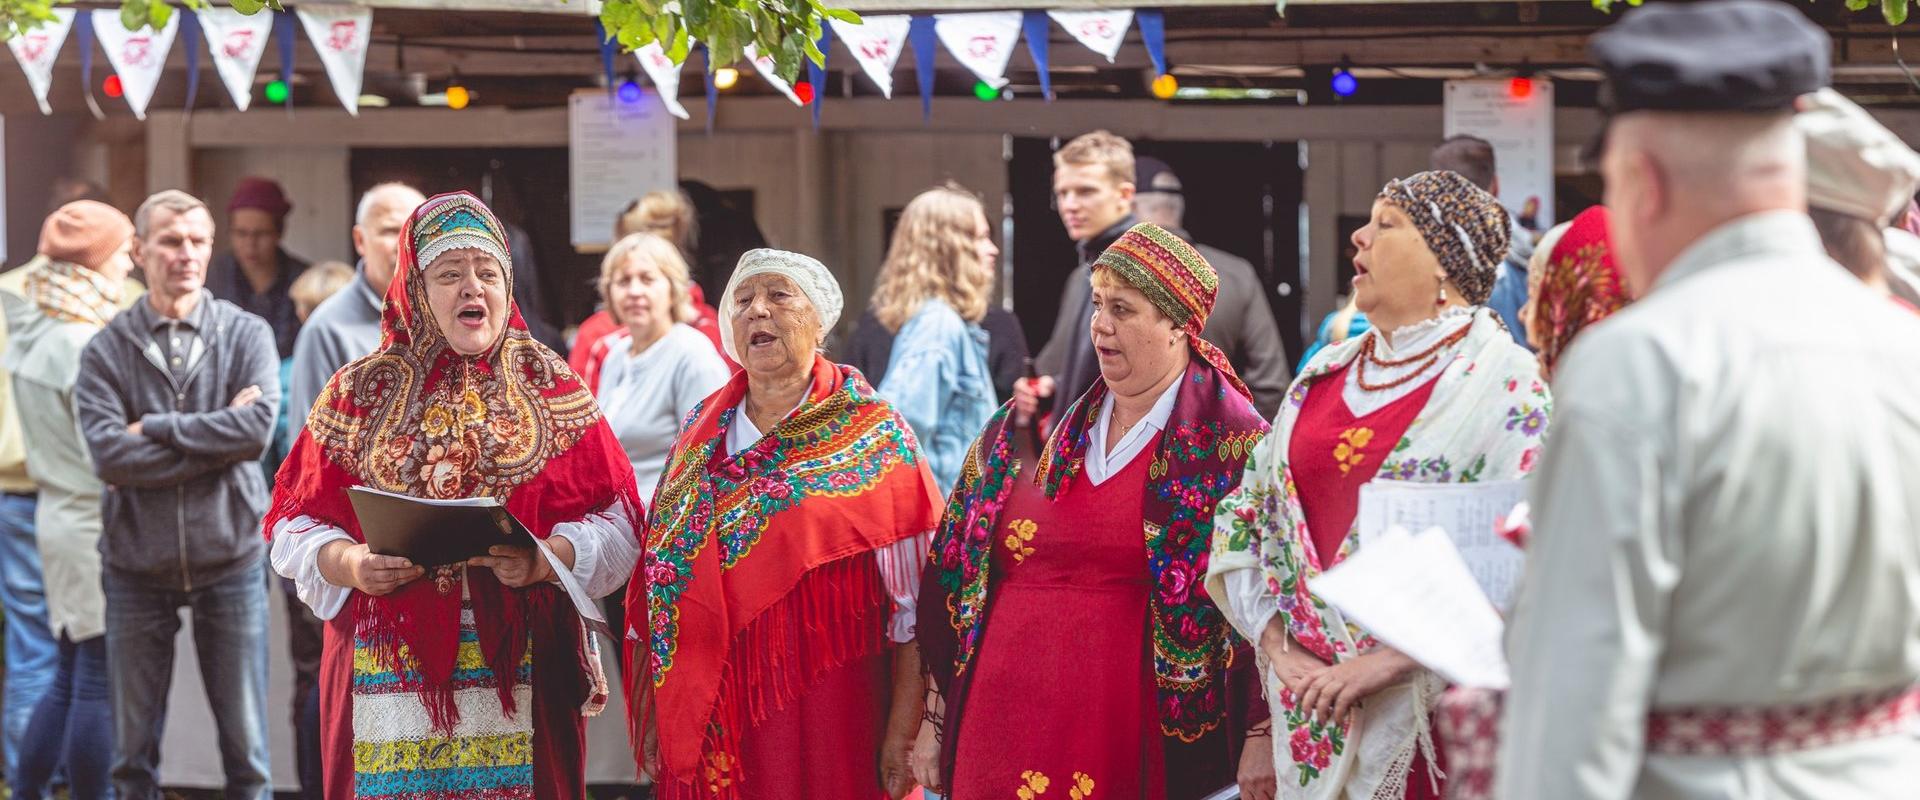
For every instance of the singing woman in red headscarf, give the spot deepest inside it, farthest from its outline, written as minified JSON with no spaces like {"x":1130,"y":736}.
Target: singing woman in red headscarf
{"x":466,"y":680}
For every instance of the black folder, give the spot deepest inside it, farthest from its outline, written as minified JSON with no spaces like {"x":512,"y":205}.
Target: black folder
{"x":431,"y":533}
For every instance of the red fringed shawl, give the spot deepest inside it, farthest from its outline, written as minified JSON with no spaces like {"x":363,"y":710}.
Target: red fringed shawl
{"x":417,"y":418}
{"x":758,"y":577}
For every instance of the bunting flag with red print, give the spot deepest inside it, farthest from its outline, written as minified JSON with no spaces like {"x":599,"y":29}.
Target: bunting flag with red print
{"x":138,"y":57}
{"x":1101,"y":31}
{"x":340,"y":35}
{"x":665,"y":75}
{"x":37,"y":49}
{"x":983,"y":41}
{"x":237,"y":41}
{"x":876,"y":43}
{"x":764,"y":64}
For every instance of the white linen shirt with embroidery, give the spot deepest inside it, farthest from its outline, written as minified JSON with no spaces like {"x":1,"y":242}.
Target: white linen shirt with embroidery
{"x":900,"y":563}
{"x":1725,"y":516}
{"x":604,"y":552}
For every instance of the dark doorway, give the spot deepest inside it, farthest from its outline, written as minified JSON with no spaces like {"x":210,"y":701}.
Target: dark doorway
{"x":1242,"y":197}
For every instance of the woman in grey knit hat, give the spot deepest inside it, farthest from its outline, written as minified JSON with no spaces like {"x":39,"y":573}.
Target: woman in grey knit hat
{"x":1437,"y":392}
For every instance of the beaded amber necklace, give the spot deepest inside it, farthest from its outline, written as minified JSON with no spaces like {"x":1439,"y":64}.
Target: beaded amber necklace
{"x":1431,"y":355}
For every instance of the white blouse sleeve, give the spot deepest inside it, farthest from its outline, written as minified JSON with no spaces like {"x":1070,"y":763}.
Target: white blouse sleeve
{"x":1250,"y":607}
{"x":295,"y":554}
{"x":900,"y":566}
{"x":604,"y":549}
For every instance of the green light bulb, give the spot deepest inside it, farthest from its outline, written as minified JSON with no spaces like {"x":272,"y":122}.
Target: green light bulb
{"x":985,"y":92}
{"x":276,"y":92}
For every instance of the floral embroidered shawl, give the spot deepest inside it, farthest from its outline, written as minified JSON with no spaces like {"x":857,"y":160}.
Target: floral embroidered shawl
{"x":1198,"y":460}
{"x":744,"y":550}
{"x":1484,"y":422}
{"x":416,"y":418}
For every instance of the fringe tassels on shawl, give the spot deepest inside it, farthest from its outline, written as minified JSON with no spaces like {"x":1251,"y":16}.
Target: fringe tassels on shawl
{"x":836,"y":616}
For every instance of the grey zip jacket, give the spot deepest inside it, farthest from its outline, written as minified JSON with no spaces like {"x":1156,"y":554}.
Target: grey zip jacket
{"x":185,"y":496}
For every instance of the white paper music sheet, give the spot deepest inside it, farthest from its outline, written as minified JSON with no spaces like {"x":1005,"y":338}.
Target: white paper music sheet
{"x":1414,"y":593}
{"x":1467,"y":512}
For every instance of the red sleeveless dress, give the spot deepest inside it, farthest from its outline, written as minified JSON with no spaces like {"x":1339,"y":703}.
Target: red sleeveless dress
{"x":1062,"y":702}
{"x":1332,"y":454}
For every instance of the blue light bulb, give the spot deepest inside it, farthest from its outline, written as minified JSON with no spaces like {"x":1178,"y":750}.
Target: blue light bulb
{"x":1344,"y":84}
{"x":629,"y":92}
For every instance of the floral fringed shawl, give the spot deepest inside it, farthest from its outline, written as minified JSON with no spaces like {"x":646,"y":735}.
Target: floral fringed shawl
{"x":1484,"y":422}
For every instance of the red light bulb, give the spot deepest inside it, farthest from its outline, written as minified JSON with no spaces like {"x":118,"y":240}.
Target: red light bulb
{"x":111,"y":86}
{"x":804,"y":91}
{"x":1520,"y":88}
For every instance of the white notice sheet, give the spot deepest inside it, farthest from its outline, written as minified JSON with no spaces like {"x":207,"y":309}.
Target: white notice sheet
{"x":1467,"y":512}
{"x":1413,"y":592}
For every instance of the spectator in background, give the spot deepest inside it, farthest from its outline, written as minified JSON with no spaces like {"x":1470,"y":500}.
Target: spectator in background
{"x":1472,"y":157}
{"x":256,"y":271}
{"x":1859,"y":177}
{"x":1337,"y":327}
{"x":659,"y":367}
{"x":73,"y":289}
{"x":339,"y":329}
{"x":668,"y":215}
{"x":931,"y":296}
{"x":176,"y":399}
{"x":1242,"y":321}
{"x":1093,"y":191}
{"x":313,"y":287}
{"x":67,"y":189}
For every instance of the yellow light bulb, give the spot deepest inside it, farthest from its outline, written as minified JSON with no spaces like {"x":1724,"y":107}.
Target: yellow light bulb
{"x":458,"y":97}
{"x":1165,"y":87}
{"x":725,"y":77}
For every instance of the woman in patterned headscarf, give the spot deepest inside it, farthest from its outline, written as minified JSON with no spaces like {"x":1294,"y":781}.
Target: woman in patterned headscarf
{"x":1437,"y":392}
{"x":1577,"y":285}
{"x":1078,"y":651}
{"x":464,"y":680}
{"x":771,"y":621}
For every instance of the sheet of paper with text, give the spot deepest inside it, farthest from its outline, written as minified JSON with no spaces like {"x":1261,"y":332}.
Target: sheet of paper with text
{"x":1467,"y":512}
{"x":1415,"y":594}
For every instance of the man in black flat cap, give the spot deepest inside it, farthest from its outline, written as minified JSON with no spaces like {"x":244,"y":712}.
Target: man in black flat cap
{"x":1720,"y":598}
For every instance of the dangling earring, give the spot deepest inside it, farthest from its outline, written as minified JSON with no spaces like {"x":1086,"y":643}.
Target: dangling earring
{"x":1443,"y":297}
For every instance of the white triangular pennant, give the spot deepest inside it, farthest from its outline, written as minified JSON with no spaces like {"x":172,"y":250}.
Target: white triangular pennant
{"x":138,"y":57}
{"x":36,"y":51}
{"x":237,"y":41}
{"x":982,"y":41}
{"x":764,"y":64}
{"x":665,"y":75}
{"x":876,"y":43}
{"x":1101,"y":31}
{"x":340,"y":34}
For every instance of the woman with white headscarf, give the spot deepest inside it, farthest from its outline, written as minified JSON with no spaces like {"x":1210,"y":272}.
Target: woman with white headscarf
{"x":771,"y":619}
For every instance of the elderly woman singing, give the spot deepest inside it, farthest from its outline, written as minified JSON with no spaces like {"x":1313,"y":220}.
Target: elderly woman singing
{"x":465,"y":680}
{"x":1079,"y":657}
{"x":771,"y":621}
{"x":1436,"y":392}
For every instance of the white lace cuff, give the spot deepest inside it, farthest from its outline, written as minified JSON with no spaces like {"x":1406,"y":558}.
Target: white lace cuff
{"x":900,"y":566}
{"x":295,"y":554}
{"x":604,"y":549}
{"x":1250,"y":607}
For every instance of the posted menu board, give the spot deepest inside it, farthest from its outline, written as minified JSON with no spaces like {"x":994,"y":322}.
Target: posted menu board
{"x":1520,"y":128}
{"x":617,"y":151}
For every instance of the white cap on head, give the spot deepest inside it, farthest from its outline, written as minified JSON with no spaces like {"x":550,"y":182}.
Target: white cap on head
{"x":806,"y":272}
{"x":1855,"y":166}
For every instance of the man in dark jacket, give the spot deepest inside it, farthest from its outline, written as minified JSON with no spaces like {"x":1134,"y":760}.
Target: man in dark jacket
{"x":176,"y":399}
{"x":1241,"y":324}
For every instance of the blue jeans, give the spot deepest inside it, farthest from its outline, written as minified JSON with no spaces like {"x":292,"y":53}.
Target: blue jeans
{"x":72,"y":725}
{"x":32,"y":653}
{"x":230,"y":638}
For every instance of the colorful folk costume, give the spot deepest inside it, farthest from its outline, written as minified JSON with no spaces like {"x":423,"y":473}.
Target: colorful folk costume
{"x":1078,"y":656}
{"x":1452,"y":400}
{"x":1578,"y":286}
{"x":455,"y":686}
{"x":778,"y":579}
